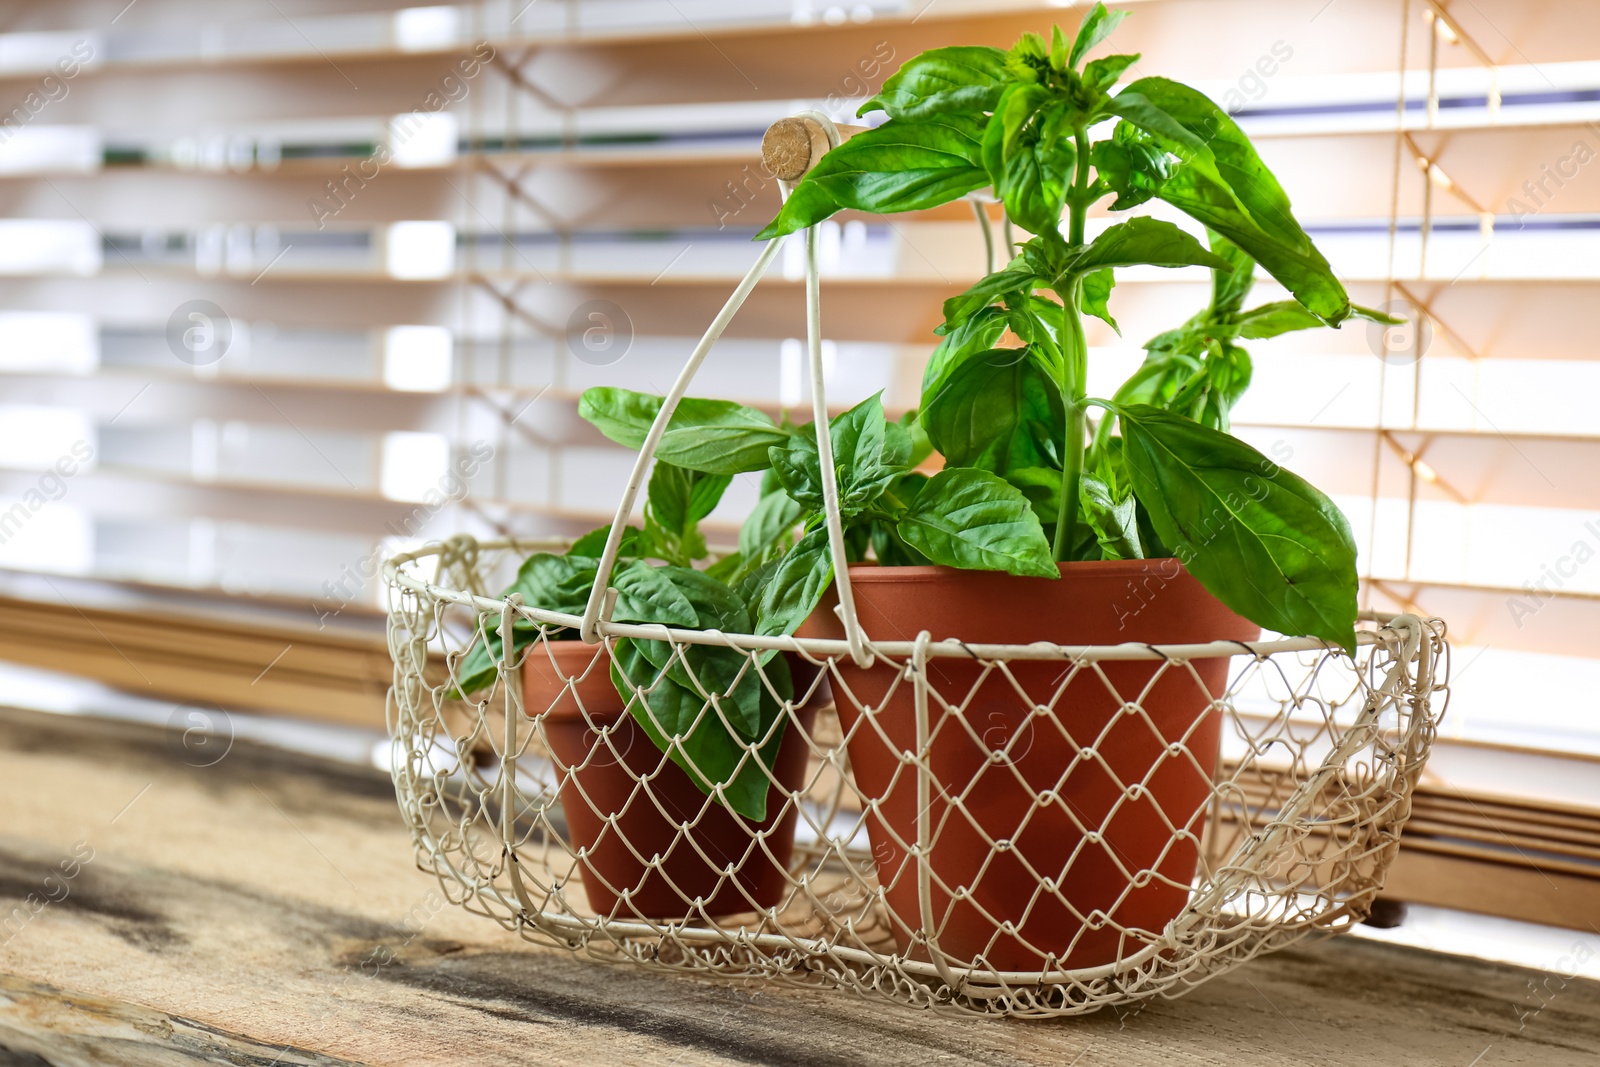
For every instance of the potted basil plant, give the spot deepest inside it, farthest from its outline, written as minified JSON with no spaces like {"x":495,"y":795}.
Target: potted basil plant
{"x":1070,"y":798}
{"x":711,"y":831}
{"x":1070,"y":801}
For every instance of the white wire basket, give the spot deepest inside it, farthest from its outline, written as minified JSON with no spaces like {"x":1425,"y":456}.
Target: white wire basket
{"x":1293,"y":784}
{"x":1022,"y":829}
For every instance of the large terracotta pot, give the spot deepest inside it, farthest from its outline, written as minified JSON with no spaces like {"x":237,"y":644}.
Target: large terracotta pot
{"x":1068,"y":867}
{"x":650,"y":797}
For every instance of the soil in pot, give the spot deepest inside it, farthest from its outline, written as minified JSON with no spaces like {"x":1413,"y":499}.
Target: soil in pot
{"x":625,"y":777}
{"x":1032,"y":819}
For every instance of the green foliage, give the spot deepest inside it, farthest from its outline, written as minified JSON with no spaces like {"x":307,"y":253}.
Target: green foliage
{"x":989,"y":409}
{"x":556,"y":583}
{"x":1004,"y":401}
{"x":711,"y":436}
{"x":903,"y":165}
{"x":1004,"y":396}
{"x":973,"y":519}
{"x":866,"y":458}
{"x":795,"y":586}
{"x":713,"y":709}
{"x":1096,"y":27}
{"x":1198,"y":369}
{"x":1145,"y":240}
{"x":1219,"y":180}
{"x":677,"y":500}
{"x":964,"y":80}
{"x":1264,"y":541}
{"x":698,"y":727}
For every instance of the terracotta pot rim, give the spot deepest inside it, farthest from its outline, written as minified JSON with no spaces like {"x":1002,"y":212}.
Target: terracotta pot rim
{"x":874,"y":572}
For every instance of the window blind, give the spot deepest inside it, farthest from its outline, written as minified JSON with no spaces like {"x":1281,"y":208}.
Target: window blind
{"x":283,"y":288}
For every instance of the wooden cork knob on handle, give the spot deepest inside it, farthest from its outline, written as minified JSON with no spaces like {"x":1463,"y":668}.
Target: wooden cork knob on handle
{"x":792,"y":146}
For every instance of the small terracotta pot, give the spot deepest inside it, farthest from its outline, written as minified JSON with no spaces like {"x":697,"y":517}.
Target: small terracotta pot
{"x":622,"y":776}
{"x":993,"y":758}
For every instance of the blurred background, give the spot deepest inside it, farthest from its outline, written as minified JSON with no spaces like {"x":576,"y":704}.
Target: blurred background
{"x":286,"y":286}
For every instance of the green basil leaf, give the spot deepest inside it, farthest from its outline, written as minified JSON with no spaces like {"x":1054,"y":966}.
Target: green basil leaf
{"x":1115,"y":522}
{"x":1105,"y":463}
{"x":1101,"y":74}
{"x":771,"y":524}
{"x":798,"y":468}
{"x":706,"y":493}
{"x":1145,"y":240}
{"x":1374,"y":315}
{"x":1042,"y":487}
{"x":1150,"y":116}
{"x":1186,"y":338}
{"x":686,"y":726}
{"x":1093,"y":294}
{"x":795,"y":586}
{"x":964,"y":79}
{"x":1131,"y":164}
{"x":1228,"y":374}
{"x":858,"y":437}
{"x":1270,"y":320}
{"x":975,"y":333}
{"x":1037,"y":321}
{"x":906,"y":487}
{"x":984,"y":413}
{"x":921,"y":447}
{"x":890,"y":550}
{"x":714,"y":436}
{"x":900,"y":166}
{"x":897,"y":446}
{"x":1096,"y":27}
{"x":1229,"y":151}
{"x":719,"y":437}
{"x":1032,"y":184}
{"x":1229,"y":288}
{"x":750,"y":584}
{"x":594,"y":542}
{"x":1029,"y":163}
{"x":1262,"y":540}
{"x":1286,"y":316}
{"x":1222,"y":182}
{"x":716,"y":606}
{"x":1029,"y":59}
{"x":1000,"y":284}
{"x":647,"y":594}
{"x":729,"y":569}
{"x":974,"y":520}
{"x":1058,"y":49}
{"x":621,"y":414}
{"x":677,"y":500}
{"x":707,"y":670}
{"x":555,"y":583}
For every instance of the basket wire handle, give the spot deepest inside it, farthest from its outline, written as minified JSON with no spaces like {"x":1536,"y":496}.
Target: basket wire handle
{"x":602,"y":598}
{"x":819,"y":413}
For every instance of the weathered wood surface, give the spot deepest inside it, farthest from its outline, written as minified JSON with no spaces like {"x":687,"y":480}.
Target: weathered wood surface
{"x":266,"y":910}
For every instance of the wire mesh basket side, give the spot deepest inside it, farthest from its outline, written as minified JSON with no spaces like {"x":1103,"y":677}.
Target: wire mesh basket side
{"x":1305,"y":788}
